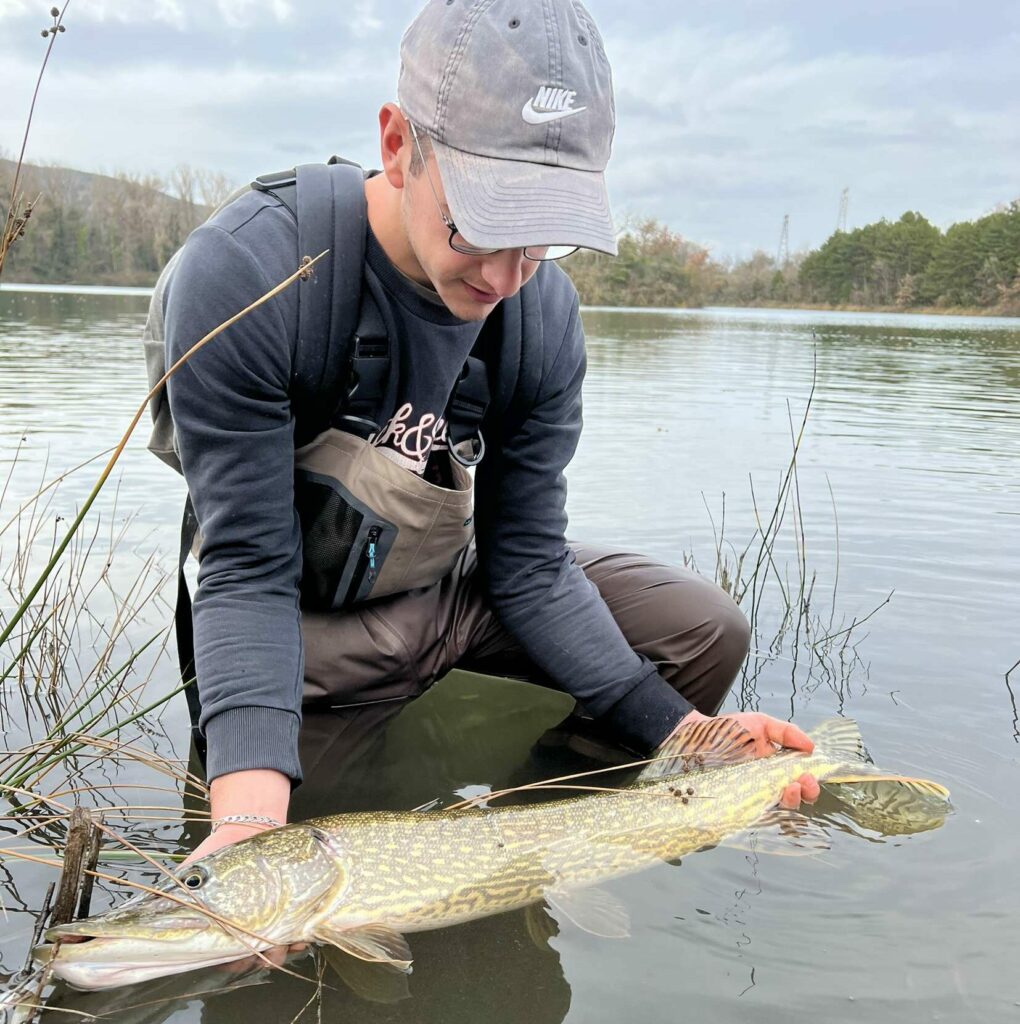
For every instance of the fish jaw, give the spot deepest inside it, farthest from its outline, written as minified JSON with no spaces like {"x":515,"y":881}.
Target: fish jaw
{"x":99,"y":953}
{"x":108,"y":963}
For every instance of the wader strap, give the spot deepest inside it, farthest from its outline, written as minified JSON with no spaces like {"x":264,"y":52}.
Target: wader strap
{"x":185,"y":630}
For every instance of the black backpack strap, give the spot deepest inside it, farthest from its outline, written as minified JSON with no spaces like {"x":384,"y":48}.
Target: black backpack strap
{"x":185,"y":629}
{"x":522,"y":334}
{"x":328,"y":202}
{"x":332,"y":214}
{"x":366,"y":375}
{"x":280,"y":185}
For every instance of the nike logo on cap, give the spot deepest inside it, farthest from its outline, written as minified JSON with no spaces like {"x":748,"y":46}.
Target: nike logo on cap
{"x":550,"y":104}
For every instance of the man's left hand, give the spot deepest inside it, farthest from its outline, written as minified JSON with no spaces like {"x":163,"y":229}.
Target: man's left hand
{"x":770,"y":734}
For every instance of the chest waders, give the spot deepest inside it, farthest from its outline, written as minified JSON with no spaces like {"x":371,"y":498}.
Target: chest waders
{"x":369,"y":527}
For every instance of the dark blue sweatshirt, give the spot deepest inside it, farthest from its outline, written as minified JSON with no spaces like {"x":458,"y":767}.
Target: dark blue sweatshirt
{"x":235,"y":431}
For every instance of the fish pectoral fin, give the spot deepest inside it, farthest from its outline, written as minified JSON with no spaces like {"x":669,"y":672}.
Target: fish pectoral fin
{"x":540,"y":924}
{"x":593,"y":910}
{"x":706,"y":744}
{"x":373,"y":980}
{"x":374,"y":942}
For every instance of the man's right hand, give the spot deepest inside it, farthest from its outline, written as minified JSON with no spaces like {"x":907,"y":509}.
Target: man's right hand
{"x":260,"y":791}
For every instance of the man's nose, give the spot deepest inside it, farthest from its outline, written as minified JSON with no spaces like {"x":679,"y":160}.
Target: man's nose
{"x":503,"y":272}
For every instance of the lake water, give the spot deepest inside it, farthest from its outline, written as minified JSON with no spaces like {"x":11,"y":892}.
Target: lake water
{"x":909,"y":485}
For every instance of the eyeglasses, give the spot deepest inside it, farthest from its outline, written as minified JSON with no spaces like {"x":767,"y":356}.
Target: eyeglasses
{"x":536,"y":253}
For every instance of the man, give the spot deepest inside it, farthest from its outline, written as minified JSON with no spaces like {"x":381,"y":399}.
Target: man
{"x":492,"y":167}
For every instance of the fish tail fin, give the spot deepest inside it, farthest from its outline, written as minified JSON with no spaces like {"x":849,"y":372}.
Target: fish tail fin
{"x":888,"y":803}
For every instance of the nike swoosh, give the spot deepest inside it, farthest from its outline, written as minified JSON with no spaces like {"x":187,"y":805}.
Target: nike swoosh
{"x":533,"y":116}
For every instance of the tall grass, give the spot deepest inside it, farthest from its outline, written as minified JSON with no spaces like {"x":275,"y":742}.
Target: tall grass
{"x":72,"y":699}
{"x":790,"y":620}
{"x":19,"y":209}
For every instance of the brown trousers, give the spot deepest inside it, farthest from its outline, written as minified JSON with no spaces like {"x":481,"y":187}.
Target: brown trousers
{"x":396,"y":647}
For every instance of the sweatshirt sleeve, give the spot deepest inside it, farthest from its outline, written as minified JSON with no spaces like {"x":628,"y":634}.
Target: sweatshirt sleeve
{"x":235,"y":437}
{"x":537,"y":590}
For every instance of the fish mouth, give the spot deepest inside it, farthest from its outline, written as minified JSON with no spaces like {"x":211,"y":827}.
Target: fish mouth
{"x":126,"y":968}
{"x":155,"y":929}
{"x":96,"y":954}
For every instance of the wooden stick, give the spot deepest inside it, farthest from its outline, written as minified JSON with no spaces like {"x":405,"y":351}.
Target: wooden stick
{"x":79,"y":841}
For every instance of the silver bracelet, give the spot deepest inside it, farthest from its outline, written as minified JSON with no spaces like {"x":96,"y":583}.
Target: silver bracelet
{"x":245,"y":819}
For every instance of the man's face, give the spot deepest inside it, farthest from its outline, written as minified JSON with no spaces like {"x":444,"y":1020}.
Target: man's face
{"x":470,"y":286}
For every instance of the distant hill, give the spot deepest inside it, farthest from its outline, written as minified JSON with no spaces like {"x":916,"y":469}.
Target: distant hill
{"x":105,"y":229}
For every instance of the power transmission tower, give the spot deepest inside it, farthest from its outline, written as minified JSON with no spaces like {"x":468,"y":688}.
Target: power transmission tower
{"x":783,"y":254}
{"x":844,"y":203}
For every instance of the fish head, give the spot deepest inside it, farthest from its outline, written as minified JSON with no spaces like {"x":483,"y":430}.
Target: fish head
{"x":261,"y":892}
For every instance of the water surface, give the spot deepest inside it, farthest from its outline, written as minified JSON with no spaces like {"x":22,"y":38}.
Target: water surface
{"x":908,"y":486}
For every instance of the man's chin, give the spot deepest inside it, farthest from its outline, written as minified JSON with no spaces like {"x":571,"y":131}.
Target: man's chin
{"x":465,"y":306}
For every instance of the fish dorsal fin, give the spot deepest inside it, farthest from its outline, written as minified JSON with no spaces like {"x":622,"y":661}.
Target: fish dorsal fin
{"x":703,"y":744}
{"x":373,"y":942}
{"x":840,"y":736}
{"x":593,"y":910}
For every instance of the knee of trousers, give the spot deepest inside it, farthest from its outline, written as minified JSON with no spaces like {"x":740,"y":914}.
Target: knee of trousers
{"x":734,"y":637}
{"x":701,"y":654}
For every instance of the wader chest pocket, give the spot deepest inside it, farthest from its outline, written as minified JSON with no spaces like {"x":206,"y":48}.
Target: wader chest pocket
{"x":345,"y":543}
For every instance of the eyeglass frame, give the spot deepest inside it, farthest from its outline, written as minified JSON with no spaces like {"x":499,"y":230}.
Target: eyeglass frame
{"x":474,"y":250}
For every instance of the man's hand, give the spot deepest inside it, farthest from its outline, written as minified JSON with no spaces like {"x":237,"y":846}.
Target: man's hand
{"x":259,"y":791}
{"x":769,"y":735}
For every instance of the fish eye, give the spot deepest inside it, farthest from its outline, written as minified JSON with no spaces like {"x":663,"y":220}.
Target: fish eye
{"x":195,"y":878}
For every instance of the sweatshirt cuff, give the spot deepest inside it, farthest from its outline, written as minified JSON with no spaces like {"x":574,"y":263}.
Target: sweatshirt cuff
{"x":646,"y":715}
{"x":243,"y":738}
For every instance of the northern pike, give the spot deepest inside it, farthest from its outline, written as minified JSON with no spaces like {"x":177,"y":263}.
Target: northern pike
{"x":359,"y":882}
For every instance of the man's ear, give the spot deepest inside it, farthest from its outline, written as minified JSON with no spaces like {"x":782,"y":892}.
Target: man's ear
{"x":394,"y":144}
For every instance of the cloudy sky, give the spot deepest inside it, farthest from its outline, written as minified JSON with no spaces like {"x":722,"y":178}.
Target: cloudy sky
{"x":731,"y":112}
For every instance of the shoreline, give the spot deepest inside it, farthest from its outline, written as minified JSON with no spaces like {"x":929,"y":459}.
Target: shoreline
{"x":848,"y":307}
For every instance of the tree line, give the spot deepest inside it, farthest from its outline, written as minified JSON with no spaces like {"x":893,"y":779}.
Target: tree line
{"x":105,"y":229}
{"x":906,"y":264}
{"x":121,"y":229}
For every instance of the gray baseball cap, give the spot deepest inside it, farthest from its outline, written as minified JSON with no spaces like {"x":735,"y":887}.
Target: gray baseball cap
{"x":517,"y":97}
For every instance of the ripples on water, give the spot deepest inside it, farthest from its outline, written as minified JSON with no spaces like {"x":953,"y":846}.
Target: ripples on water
{"x":916,"y":427}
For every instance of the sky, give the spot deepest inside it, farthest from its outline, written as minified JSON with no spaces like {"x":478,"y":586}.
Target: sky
{"x":730,"y":113}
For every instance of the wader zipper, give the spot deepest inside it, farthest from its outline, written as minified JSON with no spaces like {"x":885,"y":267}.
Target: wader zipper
{"x":366,"y":564}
